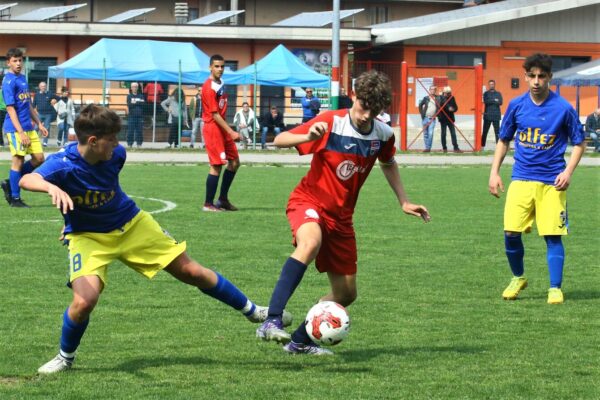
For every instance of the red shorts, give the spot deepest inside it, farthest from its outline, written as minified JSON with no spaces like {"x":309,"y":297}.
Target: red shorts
{"x":338,"y":246}
{"x":220,"y":147}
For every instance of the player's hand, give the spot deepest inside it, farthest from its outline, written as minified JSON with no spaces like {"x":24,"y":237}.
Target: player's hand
{"x":60,"y":199}
{"x":562,"y":181}
{"x":62,"y":234}
{"x":43,"y":129}
{"x":417,"y":210}
{"x":317,"y":130}
{"x":235,"y":136}
{"x":25,"y":141}
{"x":494,"y":184}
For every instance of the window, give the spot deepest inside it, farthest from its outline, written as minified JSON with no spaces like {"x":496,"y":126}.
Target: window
{"x":450,"y":58}
{"x":563,"y":62}
{"x":193,"y":14}
{"x":37,"y":71}
{"x":379,"y":15}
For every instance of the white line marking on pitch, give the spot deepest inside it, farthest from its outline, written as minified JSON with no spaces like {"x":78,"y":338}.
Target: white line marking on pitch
{"x":168,"y":206}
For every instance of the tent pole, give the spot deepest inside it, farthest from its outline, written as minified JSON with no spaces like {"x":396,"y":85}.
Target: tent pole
{"x":179,"y":95}
{"x":104,"y":82}
{"x":154,"y":116}
{"x":577,"y":100}
{"x":255,"y":114}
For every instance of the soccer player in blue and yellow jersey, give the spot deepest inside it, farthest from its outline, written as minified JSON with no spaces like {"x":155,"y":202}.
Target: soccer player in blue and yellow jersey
{"x":103,"y":224}
{"x":22,"y":138}
{"x":541,"y":124}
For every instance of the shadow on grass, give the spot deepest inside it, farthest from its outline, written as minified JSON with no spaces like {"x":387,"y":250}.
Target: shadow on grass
{"x":582,"y":295}
{"x":367,"y":354}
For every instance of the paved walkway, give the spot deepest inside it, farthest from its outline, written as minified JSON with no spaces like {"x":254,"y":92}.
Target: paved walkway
{"x":157,"y":152}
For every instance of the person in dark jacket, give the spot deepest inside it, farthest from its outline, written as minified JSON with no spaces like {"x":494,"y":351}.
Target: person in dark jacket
{"x":135,"y":124}
{"x":272,"y":121}
{"x":43,"y":102}
{"x":491,"y":116}
{"x":592,"y":128}
{"x":446,"y":117}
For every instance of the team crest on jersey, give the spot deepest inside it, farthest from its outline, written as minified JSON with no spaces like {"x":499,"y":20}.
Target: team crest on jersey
{"x":375,"y":146}
{"x":347,"y":168}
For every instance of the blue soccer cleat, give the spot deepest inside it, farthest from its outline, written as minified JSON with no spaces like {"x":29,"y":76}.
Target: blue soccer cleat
{"x":272,"y":331}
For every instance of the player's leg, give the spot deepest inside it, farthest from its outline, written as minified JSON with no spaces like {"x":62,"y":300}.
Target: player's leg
{"x":86,"y":292}
{"x":552,"y":222}
{"x":215,"y":285}
{"x":233,"y":164}
{"x":14,"y":177}
{"x":215,"y":149}
{"x":518,"y":218}
{"x":308,"y":237}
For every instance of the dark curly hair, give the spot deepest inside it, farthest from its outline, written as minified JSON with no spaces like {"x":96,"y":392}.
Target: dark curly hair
{"x":96,"y":121}
{"x":539,"y":60}
{"x":374,"y":91}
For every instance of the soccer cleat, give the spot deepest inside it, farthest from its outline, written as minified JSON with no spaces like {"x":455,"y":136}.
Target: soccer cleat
{"x":261,"y":314}
{"x":300,"y":348}
{"x":272,"y":331}
{"x":555,"y":296}
{"x":210,"y":208}
{"x":225,"y":205}
{"x":6,"y":189}
{"x":18,"y":203}
{"x":514,"y":288}
{"x":57,"y":364}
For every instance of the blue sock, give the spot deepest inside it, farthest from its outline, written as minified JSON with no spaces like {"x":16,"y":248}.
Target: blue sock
{"x":515,"y":253}
{"x":226,"y":184}
{"x":556,"y":259}
{"x":212,"y":181}
{"x":14,"y":177}
{"x":289,"y":279}
{"x":229,"y":294}
{"x":71,"y":334}
{"x":300,"y":335}
{"x":27,"y":168}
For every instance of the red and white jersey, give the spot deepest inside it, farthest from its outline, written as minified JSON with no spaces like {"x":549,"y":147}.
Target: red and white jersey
{"x":214,"y":99}
{"x":342,"y":160}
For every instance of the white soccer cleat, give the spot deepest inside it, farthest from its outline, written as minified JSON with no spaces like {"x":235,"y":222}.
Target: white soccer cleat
{"x":311,"y":348}
{"x":57,"y":364}
{"x":261,"y":314}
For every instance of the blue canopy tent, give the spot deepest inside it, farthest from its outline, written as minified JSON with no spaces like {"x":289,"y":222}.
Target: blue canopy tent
{"x":587,"y":74}
{"x":139,"y":60}
{"x":280,"y":68}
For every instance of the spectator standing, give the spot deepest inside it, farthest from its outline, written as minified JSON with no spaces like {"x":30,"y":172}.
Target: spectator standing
{"x":272,"y":122}
{"x":154,"y":93}
{"x":135,"y":119}
{"x":310,"y":106}
{"x":592,"y":128}
{"x":428,"y":107}
{"x":245,"y":123}
{"x":65,"y":116}
{"x":492,"y":115}
{"x":344,"y":101}
{"x":196,"y":117}
{"x":175,"y":106}
{"x":44,"y":102}
{"x":446,"y":117}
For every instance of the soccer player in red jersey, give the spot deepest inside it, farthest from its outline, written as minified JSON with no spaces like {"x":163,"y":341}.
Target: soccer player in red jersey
{"x":219,"y":138}
{"x":345,"y":145}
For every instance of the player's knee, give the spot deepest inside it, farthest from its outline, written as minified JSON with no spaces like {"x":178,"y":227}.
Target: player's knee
{"x":83,"y":307}
{"x":512,"y":234}
{"x":309,"y":247}
{"x":347,"y":297}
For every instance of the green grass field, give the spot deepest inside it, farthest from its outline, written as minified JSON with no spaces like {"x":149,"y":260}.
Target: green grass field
{"x":429,"y":322}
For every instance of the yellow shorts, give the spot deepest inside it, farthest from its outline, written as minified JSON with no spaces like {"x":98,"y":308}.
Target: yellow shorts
{"x":527,"y":200}
{"x":141,"y":244}
{"x":17,"y":148}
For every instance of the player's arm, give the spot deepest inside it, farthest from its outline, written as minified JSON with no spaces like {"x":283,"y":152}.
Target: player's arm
{"x":288,"y":139}
{"x":12,"y":113}
{"x":392,"y":175}
{"x":495,"y":181}
{"x":563,"y":179}
{"x":34,"y":182}
{"x":225,"y":126}
{"x":36,"y":118}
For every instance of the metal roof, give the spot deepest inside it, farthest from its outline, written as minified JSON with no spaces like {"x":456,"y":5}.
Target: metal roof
{"x":469,"y":17}
{"x":317,"y":19}
{"x":5,"y":10}
{"x":47,"y":13}
{"x":215,"y":17}
{"x":128,"y":15}
{"x":5,"y":6}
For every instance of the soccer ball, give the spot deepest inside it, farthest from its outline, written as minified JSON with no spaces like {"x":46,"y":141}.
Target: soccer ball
{"x":327,"y":323}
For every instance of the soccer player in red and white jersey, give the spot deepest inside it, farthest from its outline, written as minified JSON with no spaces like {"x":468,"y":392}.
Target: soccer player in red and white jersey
{"x":345,"y":145}
{"x":219,"y":138}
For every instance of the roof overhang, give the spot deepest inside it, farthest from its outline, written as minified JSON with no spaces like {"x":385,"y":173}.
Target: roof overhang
{"x":183,"y":31}
{"x":449,"y":21}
